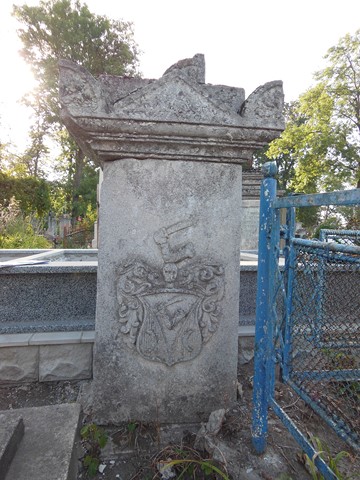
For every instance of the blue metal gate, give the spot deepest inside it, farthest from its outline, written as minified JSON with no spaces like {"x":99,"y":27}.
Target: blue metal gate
{"x":307,"y":318}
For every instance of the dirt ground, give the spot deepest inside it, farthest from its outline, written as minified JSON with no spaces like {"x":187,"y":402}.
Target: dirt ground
{"x":139,"y":452}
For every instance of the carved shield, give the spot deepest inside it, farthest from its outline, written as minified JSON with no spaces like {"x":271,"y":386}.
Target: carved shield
{"x":167,"y":315}
{"x":170,"y":332}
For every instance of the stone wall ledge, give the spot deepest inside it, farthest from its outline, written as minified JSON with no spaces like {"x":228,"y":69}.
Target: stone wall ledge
{"x":43,"y":357}
{"x":46,"y":338}
{"x":53,"y":267}
{"x":59,"y":356}
{"x":64,"y":338}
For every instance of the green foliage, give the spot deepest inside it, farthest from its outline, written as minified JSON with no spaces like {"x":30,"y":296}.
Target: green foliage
{"x":339,"y":360}
{"x":94,"y":440}
{"x":33,"y":194}
{"x":351,"y":216}
{"x":308,"y":216}
{"x":19,"y":231}
{"x":67,"y":195}
{"x":322,"y":134}
{"x":89,"y":218}
{"x":91,"y":464}
{"x":286,"y":156}
{"x":341,"y":80}
{"x":85,"y":193}
{"x":187,"y":463}
{"x":66,"y":29}
{"x":22,"y":236}
{"x":59,"y":199}
{"x":132,"y":426}
{"x":319,"y":149}
{"x":35,"y":157}
{"x":329,"y":224}
{"x":33,"y":161}
{"x":309,"y":142}
{"x":82,"y":232}
{"x":323,"y":451}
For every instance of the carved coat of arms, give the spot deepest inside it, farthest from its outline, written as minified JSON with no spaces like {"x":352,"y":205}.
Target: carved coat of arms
{"x":167,"y":313}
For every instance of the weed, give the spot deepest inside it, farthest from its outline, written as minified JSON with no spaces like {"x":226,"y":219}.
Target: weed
{"x":185,"y":463}
{"x":93,"y":439}
{"x":339,"y":360}
{"x":18,"y":230}
{"x":134,"y":434}
{"x":323,"y":451}
{"x":132,"y":430}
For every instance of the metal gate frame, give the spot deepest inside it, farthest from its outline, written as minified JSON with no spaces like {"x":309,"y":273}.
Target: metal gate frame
{"x":272,"y":339}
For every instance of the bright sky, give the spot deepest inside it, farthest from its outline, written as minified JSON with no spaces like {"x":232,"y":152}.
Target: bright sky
{"x":246,"y":43}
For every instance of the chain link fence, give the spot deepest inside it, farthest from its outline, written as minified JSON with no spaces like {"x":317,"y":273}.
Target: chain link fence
{"x":343,"y":237}
{"x":323,"y":363}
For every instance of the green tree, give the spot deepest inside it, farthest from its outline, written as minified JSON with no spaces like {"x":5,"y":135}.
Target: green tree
{"x":323,"y":131}
{"x":66,"y":29}
{"x":319,"y":149}
{"x":32,"y":194}
{"x":18,"y":230}
{"x":3,"y":156}
{"x":286,"y":156}
{"x":32,"y":162}
{"x":341,"y":79}
{"x":36,"y":154}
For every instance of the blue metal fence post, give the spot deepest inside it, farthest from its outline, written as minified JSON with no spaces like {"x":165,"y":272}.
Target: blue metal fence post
{"x":260,"y":397}
{"x":290,"y":258}
{"x":275,"y":285}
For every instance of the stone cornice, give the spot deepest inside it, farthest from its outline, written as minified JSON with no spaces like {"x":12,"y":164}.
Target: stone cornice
{"x":176,"y":117}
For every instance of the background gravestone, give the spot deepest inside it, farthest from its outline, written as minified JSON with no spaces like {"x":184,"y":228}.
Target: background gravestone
{"x":250,"y":210}
{"x":170,"y":230}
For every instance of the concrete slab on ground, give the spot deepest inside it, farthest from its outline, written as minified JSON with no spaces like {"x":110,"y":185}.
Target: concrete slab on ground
{"x":49,"y":448}
{"x":11,"y":434}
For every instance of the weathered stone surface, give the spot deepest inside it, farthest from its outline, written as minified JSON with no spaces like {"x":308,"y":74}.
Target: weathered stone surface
{"x":19,"y":364}
{"x":250,"y":224}
{"x":11,"y":433}
{"x":168,"y":276}
{"x":50,"y":447}
{"x":251,"y":185}
{"x":114,"y":118}
{"x":209,"y":430}
{"x":65,"y":362}
{"x":246,"y":349}
{"x":168,"y":290}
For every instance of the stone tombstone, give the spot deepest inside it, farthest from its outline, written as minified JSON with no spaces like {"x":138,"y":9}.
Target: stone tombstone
{"x":170,"y":226}
{"x":250,"y":210}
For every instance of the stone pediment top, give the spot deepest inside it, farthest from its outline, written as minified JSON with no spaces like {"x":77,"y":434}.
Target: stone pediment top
{"x":177,"y":116}
{"x":180,"y":95}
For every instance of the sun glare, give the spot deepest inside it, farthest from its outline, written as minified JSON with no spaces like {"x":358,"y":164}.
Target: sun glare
{"x":15,"y":84}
